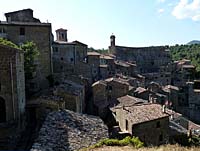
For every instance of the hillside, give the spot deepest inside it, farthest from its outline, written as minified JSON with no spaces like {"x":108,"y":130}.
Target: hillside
{"x":191,"y":52}
{"x":193,"y":42}
{"x":161,"y":148}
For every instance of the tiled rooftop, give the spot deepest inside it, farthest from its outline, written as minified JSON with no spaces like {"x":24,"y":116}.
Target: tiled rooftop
{"x":144,"y":112}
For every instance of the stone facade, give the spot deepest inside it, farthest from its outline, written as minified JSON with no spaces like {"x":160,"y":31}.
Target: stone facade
{"x":107,"y":66}
{"x":12,"y":95}
{"x":105,"y":93}
{"x":20,"y":27}
{"x":147,"y":121}
{"x":66,"y":130}
{"x":73,"y":95}
{"x":182,"y":72}
{"x":125,"y":68}
{"x":148,"y":59}
{"x":12,"y":89}
{"x":193,"y":100}
{"x":152,"y":62}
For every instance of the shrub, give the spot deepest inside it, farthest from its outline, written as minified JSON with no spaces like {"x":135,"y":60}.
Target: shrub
{"x":134,"y":141}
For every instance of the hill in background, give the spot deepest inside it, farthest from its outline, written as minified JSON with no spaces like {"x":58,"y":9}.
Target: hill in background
{"x":193,"y":42}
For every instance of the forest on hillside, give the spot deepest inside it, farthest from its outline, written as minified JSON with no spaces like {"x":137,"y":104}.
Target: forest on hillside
{"x":191,"y":52}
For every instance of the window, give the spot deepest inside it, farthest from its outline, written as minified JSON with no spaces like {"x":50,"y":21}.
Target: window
{"x":61,"y":58}
{"x":126,"y":125}
{"x":71,"y":59}
{"x":61,"y":67}
{"x":22,"y":31}
{"x":158,"y":124}
{"x":62,"y":36}
{"x":2,"y":110}
{"x":160,"y":137}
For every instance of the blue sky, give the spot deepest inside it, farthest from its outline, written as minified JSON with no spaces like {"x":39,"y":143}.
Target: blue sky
{"x":134,"y":22}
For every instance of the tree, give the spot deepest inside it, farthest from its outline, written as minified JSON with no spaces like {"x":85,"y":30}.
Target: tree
{"x":30,"y":54}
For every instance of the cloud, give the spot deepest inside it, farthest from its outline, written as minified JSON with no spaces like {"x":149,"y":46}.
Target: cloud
{"x":185,"y":9}
{"x":161,"y":1}
{"x":160,"y":11}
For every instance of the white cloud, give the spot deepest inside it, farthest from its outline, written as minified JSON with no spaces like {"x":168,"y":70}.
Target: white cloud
{"x":160,"y":11}
{"x":161,"y":1}
{"x":185,"y":9}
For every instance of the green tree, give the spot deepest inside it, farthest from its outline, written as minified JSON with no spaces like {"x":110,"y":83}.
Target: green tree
{"x":30,"y":54}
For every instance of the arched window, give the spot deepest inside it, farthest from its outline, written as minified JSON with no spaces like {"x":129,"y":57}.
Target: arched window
{"x":2,"y":110}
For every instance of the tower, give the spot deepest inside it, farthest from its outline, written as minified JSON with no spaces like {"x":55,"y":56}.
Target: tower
{"x":112,"y":40}
{"x":61,"y":34}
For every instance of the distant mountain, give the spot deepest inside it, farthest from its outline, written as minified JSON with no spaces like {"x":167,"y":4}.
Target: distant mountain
{"x":193,"y":42}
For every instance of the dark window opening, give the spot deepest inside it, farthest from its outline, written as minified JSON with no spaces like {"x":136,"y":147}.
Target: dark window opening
{"x":158,"y":124}
{"x":61,"y":58}
{"x":160,"y":137}
{"x":61,"y":67}
{"x":126,"y":125}
{"x":22,"y":31}
{"x":2,"y":110}
{"x":62,"y":36}
{"x":71,"y":59}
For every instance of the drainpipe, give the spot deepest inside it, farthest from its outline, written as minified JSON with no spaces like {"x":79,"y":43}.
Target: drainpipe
{"x":12,"y":89}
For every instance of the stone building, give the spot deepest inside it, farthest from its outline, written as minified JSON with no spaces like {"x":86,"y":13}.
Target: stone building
{"x":66,"y":54}
{"x":106,"y":91}
{"x":153,"y":93}
{"x":182,"y":72}
{"x":148,"y":59}
{"x":125,"y":68}
{"x":73,"y":95}
{"x":194,"y":100}
{"x":146,"y":121}
{"x":93,"y":60}
{"x":12,"y":95}
{"x":107,"y":66}
{"x":20,"y":27}
{"x":12,"y":90}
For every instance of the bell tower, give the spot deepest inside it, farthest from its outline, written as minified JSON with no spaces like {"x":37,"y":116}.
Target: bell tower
{"x":61,"y":35}
{"x":112,"y":40}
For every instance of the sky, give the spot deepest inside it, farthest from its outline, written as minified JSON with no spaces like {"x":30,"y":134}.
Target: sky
{"x":135,"y":23}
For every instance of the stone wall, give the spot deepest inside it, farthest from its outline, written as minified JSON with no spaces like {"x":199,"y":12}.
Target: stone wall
{"x":39,"y":33}
{"x":151,"y":132}
{"x":66,"y":130}
{"x":12,"y":78}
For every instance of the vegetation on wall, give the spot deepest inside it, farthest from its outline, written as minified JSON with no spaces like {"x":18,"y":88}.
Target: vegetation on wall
{"x":30,"y":54}
{"x":8,"y":43}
